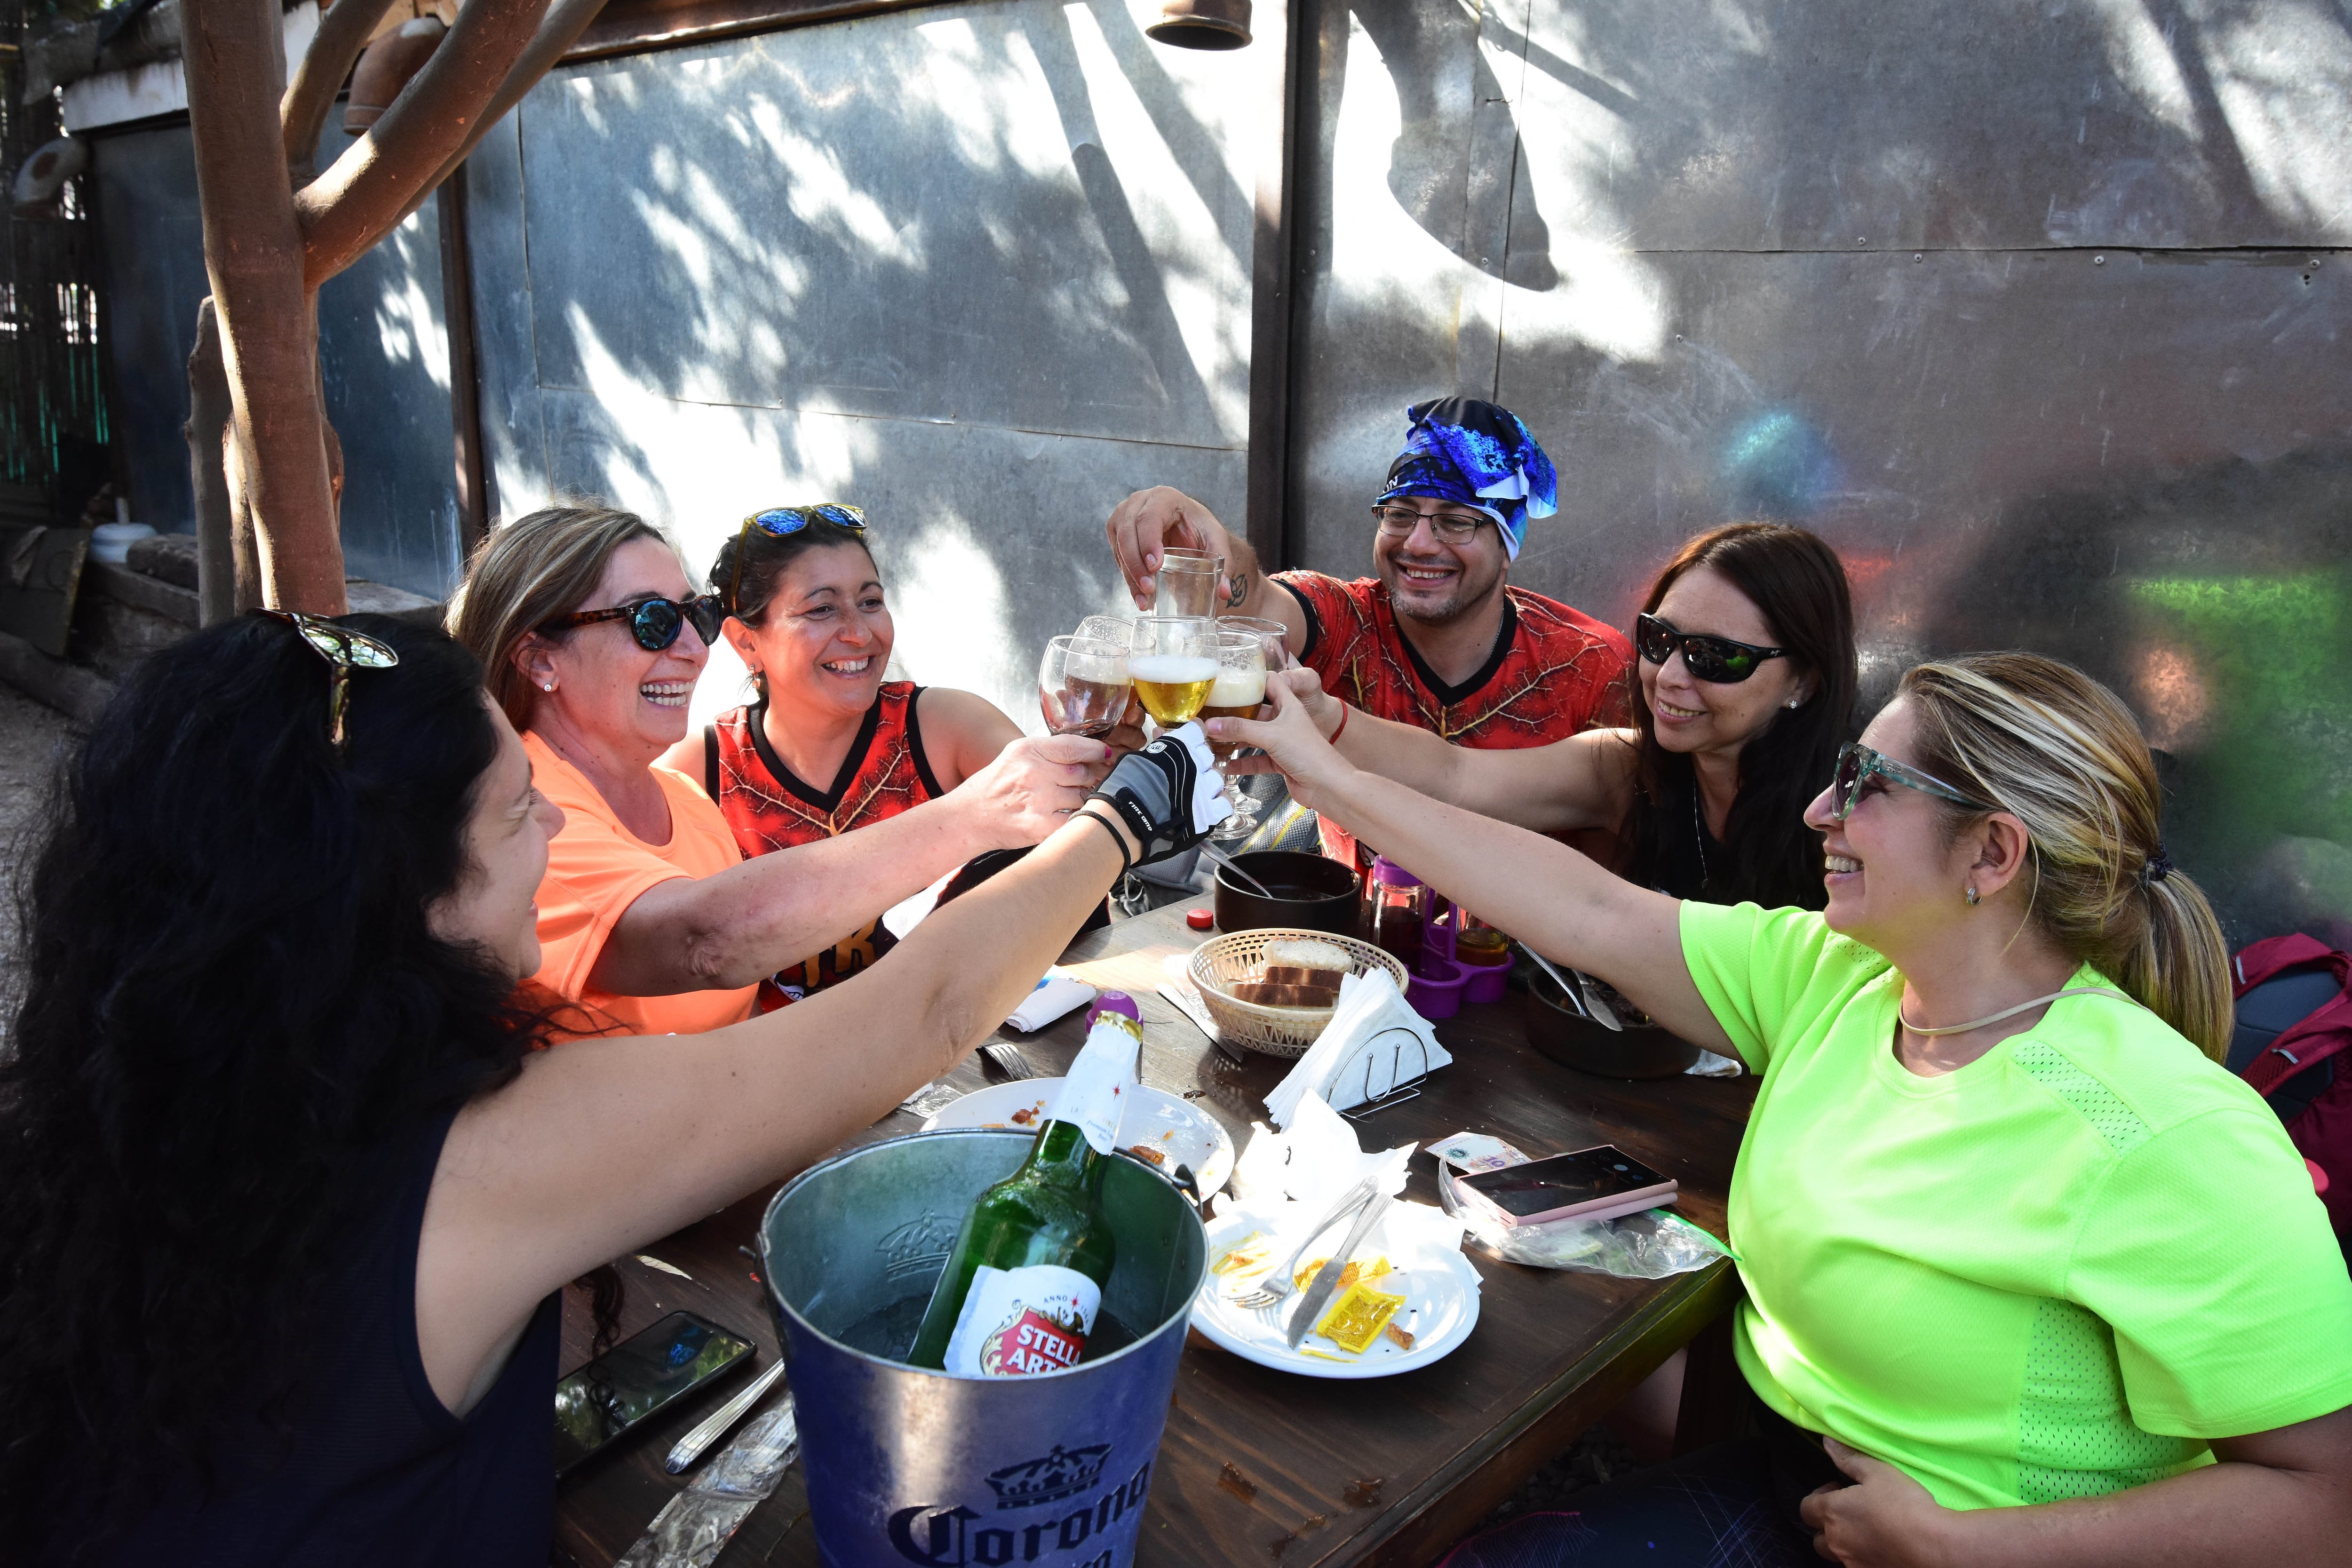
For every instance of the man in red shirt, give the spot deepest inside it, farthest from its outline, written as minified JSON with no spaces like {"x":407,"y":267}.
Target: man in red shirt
{"x":1439,"y":639}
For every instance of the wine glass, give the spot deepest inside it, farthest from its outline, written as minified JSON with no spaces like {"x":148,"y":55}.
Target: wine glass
{"x":1113,"y":629}
{"x":1082,"y":685}
{"x":1173,"y":662}
{"x":1277,"y":636}
{"x":1186,"y":583}
{"x":1238,"y":690}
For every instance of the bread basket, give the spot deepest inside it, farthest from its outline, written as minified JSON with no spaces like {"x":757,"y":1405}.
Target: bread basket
{"x":1239,"y":956}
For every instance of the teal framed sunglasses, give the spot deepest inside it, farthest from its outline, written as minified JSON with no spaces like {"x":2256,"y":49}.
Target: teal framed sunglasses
{"x":1857,"y":765}
{"x":782,"y":522}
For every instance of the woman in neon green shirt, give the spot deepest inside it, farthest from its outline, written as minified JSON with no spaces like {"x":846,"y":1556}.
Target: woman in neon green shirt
{"x":2053,"y":1285}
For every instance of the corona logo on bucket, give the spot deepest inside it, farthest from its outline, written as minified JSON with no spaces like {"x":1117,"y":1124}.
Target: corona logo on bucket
{"x":954,"y":1537}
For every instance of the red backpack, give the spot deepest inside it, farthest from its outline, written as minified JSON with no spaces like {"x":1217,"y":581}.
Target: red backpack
{"x":2294,"y":1017}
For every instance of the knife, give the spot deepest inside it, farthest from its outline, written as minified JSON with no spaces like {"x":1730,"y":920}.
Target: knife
{"x":691,"y":1446}
{"x":1327,"y":1279}
{"x":1188,"y":1002}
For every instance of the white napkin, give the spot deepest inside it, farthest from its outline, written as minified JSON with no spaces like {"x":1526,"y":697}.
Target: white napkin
{"x":1053,"y":996}
{"x":1709,"y":1064}
{"x":1311,"y":1162}
{"x":1374,"y":1042}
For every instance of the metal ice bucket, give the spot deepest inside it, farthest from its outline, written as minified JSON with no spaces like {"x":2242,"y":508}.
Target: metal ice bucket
{"x":906,"y":1465}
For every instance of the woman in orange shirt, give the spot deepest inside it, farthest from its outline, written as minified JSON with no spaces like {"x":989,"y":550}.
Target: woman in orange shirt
{"x":649,"y":919}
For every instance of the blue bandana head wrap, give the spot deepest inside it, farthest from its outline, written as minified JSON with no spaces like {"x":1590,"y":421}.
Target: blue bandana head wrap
{"x":1460,"y":450}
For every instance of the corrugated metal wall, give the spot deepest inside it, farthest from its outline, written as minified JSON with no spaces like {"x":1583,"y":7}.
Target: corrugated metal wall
{"x":982,"y":269}
{"x":2034,"y":310}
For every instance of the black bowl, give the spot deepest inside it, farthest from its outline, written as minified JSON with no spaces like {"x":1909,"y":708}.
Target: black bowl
{"x":1573,"y":1040}
{"x":1313,"y":893}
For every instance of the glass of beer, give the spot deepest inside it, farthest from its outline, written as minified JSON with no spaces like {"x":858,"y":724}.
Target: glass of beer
{"x":1186,"y":583}
{"x":1239,"y":689}
{"x":1082,"y":685}
{"x":1173,"y":660}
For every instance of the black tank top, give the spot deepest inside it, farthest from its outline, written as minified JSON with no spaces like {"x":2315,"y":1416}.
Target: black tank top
{"x":380,"y":1472}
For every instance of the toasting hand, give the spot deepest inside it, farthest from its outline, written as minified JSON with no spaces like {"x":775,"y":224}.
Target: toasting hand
{"x":1295,"y":738}
{"x":1032,"y":787}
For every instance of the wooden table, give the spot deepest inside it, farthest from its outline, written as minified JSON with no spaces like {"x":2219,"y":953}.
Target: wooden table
{"x":1258,"y":1466}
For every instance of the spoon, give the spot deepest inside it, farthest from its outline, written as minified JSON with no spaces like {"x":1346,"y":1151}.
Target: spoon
{"x":1571,"y":992}
{"x":1221,"y":858}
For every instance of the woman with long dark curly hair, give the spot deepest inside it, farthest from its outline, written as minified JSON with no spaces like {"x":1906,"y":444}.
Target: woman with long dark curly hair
{"x":285,"y":1196}
{"x":1743,"y":691}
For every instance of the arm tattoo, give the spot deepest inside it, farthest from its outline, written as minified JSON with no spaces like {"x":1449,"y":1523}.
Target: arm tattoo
{"x":1239,"y":591}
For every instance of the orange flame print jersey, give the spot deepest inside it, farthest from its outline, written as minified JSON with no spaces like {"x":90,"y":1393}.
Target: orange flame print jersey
{"x":767,"y":808}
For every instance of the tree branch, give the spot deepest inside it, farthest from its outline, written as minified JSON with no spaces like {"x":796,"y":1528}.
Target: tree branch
{"x":309,"y":98}
{"x":565,"y":21}
{"x":357,"y":202}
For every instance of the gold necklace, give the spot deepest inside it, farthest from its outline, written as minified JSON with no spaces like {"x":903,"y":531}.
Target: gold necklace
{"x":2007,"y":1012}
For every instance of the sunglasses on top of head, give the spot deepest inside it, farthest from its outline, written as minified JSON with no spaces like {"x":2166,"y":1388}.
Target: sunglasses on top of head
{"x":654,"y":623}
{"x":1862,"y":771}
{"x":783,"y":521}
{"x":1719,"y":661}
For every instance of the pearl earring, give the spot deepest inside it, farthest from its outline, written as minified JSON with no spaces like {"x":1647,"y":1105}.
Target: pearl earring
{"x":547,"y":686}
{"x":1972,"y":892}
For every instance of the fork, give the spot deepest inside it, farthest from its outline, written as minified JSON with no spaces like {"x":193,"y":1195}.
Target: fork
{"x":1284,"y":1281}
{"x":1008,"y":1059}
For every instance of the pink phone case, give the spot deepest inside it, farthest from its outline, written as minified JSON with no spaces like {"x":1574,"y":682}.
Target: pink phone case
{"x":1596,"y":1208}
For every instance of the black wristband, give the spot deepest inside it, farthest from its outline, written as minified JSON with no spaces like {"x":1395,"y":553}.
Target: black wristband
{"x":1125,"y":861}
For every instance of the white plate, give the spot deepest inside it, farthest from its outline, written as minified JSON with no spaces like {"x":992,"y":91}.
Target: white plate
{"x":1440,"y":1309}
{"x":1154,"y":1119}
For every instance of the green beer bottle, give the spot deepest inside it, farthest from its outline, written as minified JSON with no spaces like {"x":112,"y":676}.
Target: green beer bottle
{"x":1023,"y":1284}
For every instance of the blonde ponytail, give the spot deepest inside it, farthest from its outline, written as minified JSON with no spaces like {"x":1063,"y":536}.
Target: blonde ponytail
{"x":2061,"y":753}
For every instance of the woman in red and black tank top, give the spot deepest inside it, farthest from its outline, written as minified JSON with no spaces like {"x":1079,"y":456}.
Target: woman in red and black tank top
{"x":810,"y":621}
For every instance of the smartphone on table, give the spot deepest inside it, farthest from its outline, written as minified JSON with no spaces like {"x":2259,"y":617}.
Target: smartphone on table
{"x":638,"y":1379}
{"x":1590,"y":1183}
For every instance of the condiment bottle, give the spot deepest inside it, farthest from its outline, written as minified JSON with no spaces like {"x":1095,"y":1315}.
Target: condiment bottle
{"x":1396,"y":905}
{"x":1478,"y":944}
{"x":1437,"y":938}
{"x":1024,"y":1279}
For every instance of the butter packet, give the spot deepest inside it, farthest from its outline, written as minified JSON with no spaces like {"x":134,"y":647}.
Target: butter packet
{"x":1357,"y":1317}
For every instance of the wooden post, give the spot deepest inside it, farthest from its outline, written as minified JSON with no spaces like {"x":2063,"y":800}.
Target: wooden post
{"x":254,"y":259}
{"x":1285,"y":29}
{"x":464,"y":384}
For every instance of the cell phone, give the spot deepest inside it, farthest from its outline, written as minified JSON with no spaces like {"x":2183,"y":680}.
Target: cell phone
{"x":1590,"y":1183}
{"x":636,"y":1380}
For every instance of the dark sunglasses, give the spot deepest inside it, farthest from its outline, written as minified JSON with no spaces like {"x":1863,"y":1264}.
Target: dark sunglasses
{"x":1857,"y":765}
{"x":345,"y":651}
{"x":654,"y":623}
{"x":1719,"y":661}
{"x":782,"y":522}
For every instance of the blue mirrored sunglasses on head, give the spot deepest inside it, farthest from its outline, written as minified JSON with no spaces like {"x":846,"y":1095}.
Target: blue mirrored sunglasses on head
{"x":782,"y":522}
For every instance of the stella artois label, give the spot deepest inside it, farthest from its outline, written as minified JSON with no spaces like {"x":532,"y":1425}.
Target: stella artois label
{"x":1094,"y":1095}
{"x":1018,"y":1322}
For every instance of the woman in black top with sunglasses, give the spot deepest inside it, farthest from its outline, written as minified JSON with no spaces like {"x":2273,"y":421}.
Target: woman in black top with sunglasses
{"x":650,"y":920}
{"x":1745,"y":690}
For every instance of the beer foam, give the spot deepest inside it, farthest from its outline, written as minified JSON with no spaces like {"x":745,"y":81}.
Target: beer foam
{"x":1237,"y":688}
{"x":1170,"y":669}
